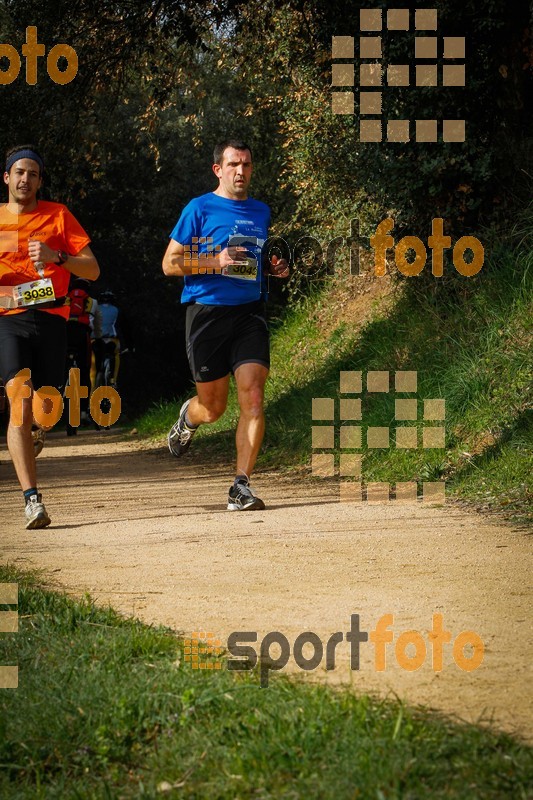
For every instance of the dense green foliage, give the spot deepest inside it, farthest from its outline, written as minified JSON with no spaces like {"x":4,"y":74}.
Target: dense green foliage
{"x":75,"y":728}
{"x":330,"y":172}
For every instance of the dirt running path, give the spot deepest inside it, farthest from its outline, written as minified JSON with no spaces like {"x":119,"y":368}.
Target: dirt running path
{"x":151,"y":536}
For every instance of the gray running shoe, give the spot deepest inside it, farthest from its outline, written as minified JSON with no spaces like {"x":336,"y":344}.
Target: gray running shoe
{"x":39,"y":437}
{"x":36,"y":514}
{"x":241,"y":498}
{"x":180,"y":435}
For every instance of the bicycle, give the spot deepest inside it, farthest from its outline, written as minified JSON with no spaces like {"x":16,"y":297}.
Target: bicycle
{"x":107,"y":368}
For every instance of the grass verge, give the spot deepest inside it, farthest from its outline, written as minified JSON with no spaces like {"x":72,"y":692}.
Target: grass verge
{"x":106,"y":709}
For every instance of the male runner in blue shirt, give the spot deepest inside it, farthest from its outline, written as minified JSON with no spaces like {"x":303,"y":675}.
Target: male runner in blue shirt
{"x":216,"y":245}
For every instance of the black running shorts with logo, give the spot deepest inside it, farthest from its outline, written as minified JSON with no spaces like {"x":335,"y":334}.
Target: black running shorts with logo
{"x":221,"y":338}
{"x":36,"y":340}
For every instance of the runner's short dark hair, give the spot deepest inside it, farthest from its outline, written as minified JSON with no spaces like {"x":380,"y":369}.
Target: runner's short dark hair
{"x":18,"y":147}
{"x":237,"y":144}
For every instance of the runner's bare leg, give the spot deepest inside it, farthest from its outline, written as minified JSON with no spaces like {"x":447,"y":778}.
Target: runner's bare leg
{"x":210,"y":402}
{"x":20,"y":445}
{"x":250,"y":379}
{"x":20,"y":442}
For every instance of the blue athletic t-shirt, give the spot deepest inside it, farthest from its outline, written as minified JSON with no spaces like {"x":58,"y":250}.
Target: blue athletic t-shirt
{"x":209,"y":221}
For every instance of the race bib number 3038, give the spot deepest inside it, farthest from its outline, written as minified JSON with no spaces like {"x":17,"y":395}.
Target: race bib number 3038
{"x":33,"y":293}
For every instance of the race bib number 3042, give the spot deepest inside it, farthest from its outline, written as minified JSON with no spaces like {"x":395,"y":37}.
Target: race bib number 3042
{"x":246,"y":270}
{"x":33,"y":293}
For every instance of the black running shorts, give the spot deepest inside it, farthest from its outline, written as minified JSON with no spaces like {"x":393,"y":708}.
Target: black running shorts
{"x":36,"y":340}
{"x":221,"y":338}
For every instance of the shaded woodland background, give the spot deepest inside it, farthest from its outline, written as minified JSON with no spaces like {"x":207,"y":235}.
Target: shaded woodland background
{"x":130,"y":140}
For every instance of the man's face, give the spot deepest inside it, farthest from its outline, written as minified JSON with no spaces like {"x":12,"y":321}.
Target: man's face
{"x":234,"y":173}
{"x":23,"y":181}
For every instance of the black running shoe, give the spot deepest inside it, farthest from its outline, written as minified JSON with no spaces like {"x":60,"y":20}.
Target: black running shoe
{"x":241,"y":498}
{"x":180,"y":435}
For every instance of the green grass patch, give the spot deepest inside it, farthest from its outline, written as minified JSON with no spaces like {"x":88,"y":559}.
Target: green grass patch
{"x":106,"y":708}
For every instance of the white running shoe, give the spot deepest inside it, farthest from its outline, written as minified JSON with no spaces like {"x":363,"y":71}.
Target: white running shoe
{"x":36,"y":514}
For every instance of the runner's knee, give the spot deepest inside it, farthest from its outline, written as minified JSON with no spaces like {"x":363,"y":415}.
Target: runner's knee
{"x":251,"y":400}
{"x":20,"y":409}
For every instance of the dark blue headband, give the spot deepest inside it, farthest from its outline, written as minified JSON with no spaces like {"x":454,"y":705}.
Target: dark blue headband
{"x":24,"y":154}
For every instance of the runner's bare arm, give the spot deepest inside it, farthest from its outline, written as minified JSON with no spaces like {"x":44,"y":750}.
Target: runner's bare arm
{"x":173,"y":259}
{"x":84,"y":264}
{"x":175,"y":263}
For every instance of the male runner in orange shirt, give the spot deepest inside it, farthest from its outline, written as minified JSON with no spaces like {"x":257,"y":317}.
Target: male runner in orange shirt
{"x":43,"y":244}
